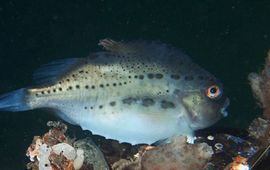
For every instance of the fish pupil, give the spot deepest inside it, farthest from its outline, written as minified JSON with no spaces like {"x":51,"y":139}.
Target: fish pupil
{"x":213,"y":90}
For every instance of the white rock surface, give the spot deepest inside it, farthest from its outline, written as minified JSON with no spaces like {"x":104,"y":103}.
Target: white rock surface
{"x":78,"y":162}
{"x":67,"y":150}
{"x":44,"y":153}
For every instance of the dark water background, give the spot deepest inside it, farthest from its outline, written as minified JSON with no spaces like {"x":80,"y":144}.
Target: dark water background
{"x":229,"y":38}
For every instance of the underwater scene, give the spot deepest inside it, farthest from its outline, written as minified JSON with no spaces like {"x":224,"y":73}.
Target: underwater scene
{"x":135,"y":85}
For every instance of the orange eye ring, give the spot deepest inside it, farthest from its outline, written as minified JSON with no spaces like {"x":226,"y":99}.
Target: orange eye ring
{"x":213,"y":92}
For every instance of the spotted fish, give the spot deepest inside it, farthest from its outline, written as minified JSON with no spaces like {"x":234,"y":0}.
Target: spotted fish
{"x":136,"y":92}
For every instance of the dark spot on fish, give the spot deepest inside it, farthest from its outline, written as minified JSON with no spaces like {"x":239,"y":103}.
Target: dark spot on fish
{"x":114,"y":84}
{"x":135,"y":76}
{"x":206,"y":78}
{"x":129,"y":100}
{"x":112,"y":103}
{"x":211,"y":79}
{"x":86,"y":86}
{"x":91,"y":107}
{"x":77,"y":86}
{"x":60,"y":82}
{"x":107,"y":85}
{"x":81,"y":71}
{"x":120,"y":84}
{"x":42,"y":92}
{"x":158,"y":76}
{"x":200,"y":77}
{"x":73,"y":75}
{"x":148,"y":102}
{"x":125,"y":82}
{"x":54,"y":90}
{"x":86,"y":72}
{"x":85,"y":107}
{"x":189,"y":78}
{"x":101,"y":85}
{"x":93,"y":87}
{"x":48,"y":91}
{"x":141,"y":77}
{"x":167,"y":91}
{"x":68,"y":80}
{"x":36,"y":94}
{"x":70,"y":87}
{"x":167,"y":104}
{"x":60,"y":89}
{"x":150,"y":76}
{"x":100,"y":106}
{"x":175,"y":76}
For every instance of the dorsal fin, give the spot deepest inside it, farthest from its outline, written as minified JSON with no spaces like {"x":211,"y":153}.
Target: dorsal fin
{"x":112,"y":45}
{"x":121,"y":47}
{"x":49,"y":73}
{"x":142,"y":48}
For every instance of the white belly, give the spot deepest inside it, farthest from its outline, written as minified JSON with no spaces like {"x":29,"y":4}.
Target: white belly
{"x":130,"y":124}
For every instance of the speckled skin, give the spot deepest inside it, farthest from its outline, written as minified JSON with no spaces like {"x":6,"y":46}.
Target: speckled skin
{"x":137,"y":92}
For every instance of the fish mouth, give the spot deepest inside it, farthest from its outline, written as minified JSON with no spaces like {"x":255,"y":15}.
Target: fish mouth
{"x":223,"y":110}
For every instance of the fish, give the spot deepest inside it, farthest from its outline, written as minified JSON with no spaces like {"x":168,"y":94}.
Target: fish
{"x":134,"y":91}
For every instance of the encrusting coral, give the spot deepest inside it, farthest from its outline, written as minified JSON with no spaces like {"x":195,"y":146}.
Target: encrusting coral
{"x":55,"y":151}
{"x":178,"y":154}
{"x":260,"y":84}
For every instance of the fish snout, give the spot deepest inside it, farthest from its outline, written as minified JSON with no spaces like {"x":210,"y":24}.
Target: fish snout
{"x":223,"y":110}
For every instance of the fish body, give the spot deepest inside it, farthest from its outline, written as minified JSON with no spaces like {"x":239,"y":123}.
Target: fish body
{"x":136,"y":92}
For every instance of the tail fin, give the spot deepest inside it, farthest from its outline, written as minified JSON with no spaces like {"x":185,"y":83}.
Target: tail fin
{"x":14,"y":101}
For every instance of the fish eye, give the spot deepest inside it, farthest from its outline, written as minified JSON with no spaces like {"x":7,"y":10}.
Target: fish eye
{"x":213,"y":92}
